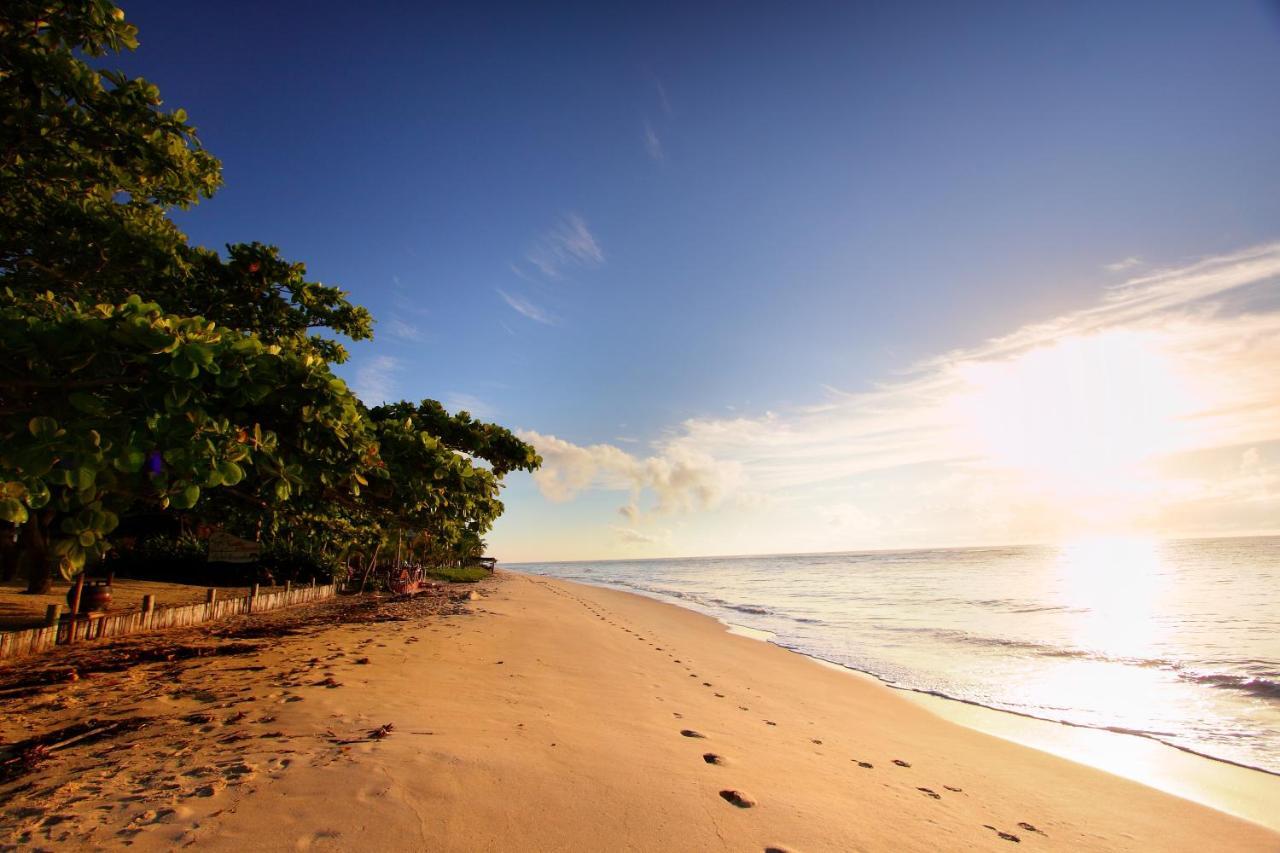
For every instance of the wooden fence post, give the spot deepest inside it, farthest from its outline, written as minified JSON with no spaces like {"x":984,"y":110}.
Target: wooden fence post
{"x":210,"y":596}
{"x":51,"y":614}
{"x":253,"y":594}
{"x":288,"y":586}
{"x":75,"y":608}
{"x":148,"y":603}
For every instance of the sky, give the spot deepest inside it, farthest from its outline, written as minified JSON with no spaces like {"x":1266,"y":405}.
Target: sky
{"x":762,"y":278}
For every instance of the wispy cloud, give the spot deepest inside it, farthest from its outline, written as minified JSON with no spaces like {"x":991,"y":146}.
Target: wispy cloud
{"x":457,"y":401}
{"x":652,"y":144}
{"x":1124,"y":264}
{"x":398,"y":328}
{"x":375,"y":381}
{"x":663,"y":100}
{"x":569,"y":243}
{"x":631,"y":536}
{"x":527,"y":308}
{"x":962,"y":438}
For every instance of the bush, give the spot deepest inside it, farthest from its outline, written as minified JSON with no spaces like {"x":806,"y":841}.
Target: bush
{"x":280,"y":562}
{"x":183,"y":559}
{"x":470,"y":574}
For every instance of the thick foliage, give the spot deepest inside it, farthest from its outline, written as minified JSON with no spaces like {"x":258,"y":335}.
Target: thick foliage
{"x":141,"y":374}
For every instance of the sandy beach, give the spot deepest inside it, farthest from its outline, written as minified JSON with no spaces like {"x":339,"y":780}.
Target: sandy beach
{"x":534,"y":715}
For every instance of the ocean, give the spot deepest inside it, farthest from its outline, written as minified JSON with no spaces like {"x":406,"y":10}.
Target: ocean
{"x":1175,"y":640}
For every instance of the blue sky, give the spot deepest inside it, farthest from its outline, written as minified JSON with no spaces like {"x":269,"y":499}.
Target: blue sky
{"x":642,"y":228}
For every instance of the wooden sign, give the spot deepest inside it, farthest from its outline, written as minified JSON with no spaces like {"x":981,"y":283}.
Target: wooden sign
{"x":225,"y":548}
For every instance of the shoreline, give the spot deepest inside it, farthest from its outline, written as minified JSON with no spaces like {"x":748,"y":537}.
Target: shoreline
{"x":527,"y":713}
{"x":1219,"y":783}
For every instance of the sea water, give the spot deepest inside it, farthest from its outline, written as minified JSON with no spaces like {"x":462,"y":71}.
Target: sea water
{"x":1175,"y":640}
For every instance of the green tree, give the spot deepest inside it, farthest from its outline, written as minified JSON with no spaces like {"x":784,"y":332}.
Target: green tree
{"x":139,"y":372}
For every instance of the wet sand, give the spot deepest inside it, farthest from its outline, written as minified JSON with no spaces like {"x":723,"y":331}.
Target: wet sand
{"x":542,"y":716}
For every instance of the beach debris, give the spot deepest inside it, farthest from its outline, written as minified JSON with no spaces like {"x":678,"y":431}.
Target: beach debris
{"x":691,"y":733}
{"x":381,"y":731}
{"x":929,"y":792}
{"x":961,"y":790}
{"x":741,"y":799}
{"x":901,"y":763}
{"x":712,"y":758}
{"x":29,"y":754}
{"x":1029,"y":828}
{"x":864,"y":764}
{"x":815,"y":740}
{"x":362,"y":661}
{"x":329,"y":682}
{"x":770,"y":723}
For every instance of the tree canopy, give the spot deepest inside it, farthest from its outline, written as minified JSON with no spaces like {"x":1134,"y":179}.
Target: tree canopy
{"x":140,"y":373}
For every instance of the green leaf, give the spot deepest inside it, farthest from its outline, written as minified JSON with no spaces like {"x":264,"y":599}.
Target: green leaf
{"x":231,"y":473}
{"x":130,"y":462}
{"x":12,"y":510}
{"x":42,"y":427}
{"x":186,"y":498}
{"x":86,"y":403}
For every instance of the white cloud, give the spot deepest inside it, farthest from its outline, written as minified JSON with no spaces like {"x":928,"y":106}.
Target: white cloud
{"x":569,"y":243}
{"x":652,"y":144}
{"x":631,"y":536}
{"x":527,"y":308}
{"x":375,"y":381}
{"x":1124,"y":264}
{"x":680,"y":479}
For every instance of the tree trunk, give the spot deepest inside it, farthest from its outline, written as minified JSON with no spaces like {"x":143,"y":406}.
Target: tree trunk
{"x":373,"y":561}
{"x":35,"y":547}
{"x":8,"y":552}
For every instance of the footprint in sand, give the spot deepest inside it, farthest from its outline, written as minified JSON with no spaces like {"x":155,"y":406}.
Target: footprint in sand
{"x":815,"y":740}
{"x":712,"y":758}
{"x":863,"y":764}
{"x":1007,"y":836}
{"x":741,"y":799}
{"x":691,"y":733}
{"x":770,"y":723}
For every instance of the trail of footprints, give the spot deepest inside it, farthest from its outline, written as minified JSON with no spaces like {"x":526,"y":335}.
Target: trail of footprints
{"x":741,"y":799}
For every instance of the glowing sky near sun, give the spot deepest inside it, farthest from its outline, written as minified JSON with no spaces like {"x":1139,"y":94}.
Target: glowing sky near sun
{"x":1155,"y":410}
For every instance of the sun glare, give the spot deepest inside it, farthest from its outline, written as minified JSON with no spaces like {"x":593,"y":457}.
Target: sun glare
{"x":1080,"y":416}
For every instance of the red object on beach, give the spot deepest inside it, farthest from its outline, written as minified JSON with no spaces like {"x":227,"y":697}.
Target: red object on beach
{"x":95,"y":595}
{"x":405,"y":581}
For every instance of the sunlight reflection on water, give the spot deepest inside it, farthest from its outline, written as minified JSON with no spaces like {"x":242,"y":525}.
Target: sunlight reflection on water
{"x":1172,"y":639}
